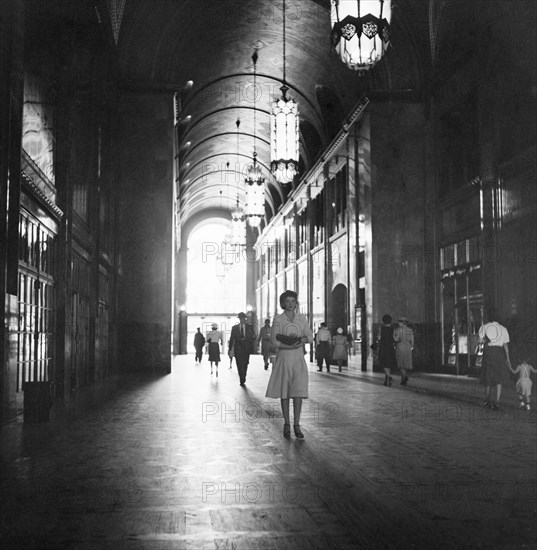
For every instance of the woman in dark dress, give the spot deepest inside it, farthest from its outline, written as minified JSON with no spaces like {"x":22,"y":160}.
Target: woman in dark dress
{"x":213,"y":340}
{"x":386,"y":349}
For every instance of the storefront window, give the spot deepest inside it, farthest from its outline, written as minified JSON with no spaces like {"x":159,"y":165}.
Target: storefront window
{"x":462,"y":304}
{"x":448,"y":321}
{"x":36,"y":301}
{"x":318,"y":222}
{"x":474,"y":249}
{"x":447,"y":257}
{"x":461,"y":253}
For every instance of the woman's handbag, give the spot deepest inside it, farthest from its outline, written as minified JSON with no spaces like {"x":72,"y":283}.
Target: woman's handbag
{"x":289,"y":340}
{"x":375,"y":346}
{"x":479,"y":354}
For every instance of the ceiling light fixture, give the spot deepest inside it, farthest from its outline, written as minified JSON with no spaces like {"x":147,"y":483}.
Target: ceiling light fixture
{"x":284,"y":131}
{"x":255,"y":190}
{"x":238,"y":219}
{"x":361,"y":31}
{"x":225,"y":258}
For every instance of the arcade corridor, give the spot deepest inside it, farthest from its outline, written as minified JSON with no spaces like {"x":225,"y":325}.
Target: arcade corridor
{"x":189,"y":461}
{"x":394,"y":175}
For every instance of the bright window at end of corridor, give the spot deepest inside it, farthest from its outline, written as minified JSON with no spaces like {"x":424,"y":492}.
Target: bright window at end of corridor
{"x":216,"y":272}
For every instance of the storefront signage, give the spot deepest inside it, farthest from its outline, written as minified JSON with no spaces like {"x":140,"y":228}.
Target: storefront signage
{"x":460,"y":271}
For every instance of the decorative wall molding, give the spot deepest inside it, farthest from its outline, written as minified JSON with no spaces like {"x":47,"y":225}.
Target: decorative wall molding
{"x":35,"y":192}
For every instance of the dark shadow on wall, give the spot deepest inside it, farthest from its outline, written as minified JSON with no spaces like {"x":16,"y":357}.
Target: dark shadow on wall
{"x":144,"y":347}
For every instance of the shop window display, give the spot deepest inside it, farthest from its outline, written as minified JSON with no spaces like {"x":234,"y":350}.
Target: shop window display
{"x":462,"y":305}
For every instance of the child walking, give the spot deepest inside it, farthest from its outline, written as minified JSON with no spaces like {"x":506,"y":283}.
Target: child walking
{"x":523,"y":384}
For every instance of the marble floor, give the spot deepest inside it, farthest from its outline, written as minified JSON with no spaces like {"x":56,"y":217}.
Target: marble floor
{"x":192,"y":461}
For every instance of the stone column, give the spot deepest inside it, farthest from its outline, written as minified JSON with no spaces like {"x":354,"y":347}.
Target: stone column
{"x":146,"y":226}
{"x":11,"y":100}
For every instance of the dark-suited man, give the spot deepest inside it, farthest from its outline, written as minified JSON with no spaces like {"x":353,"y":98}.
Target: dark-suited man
{"x":242,"y":341}
{"x":199,"y":342}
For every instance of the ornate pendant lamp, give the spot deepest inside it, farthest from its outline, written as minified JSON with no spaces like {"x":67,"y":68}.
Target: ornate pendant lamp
{"x":360,"y":31}
{"x":238,"y":229}
{"x":284,"y":131}
{"x":223,"y":256}
{"x":238,"y":219}
{"x":255,"y":194}
{"x":255,"y":189}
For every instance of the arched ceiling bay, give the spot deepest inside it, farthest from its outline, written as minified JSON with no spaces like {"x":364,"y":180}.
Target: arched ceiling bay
{"x":203,"y":50}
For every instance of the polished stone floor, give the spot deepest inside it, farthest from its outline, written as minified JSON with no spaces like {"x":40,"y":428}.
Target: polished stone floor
{"x":192,"y":461}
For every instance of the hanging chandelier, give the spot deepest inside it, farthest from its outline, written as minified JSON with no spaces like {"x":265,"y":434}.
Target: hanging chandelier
{"x":228,"y":255}
{"x":255,"y":189}
{"x":237,"y":233}
{"x":284,"y":131}
{"x":220,"y":267}
{"x":228,"y":239}
{"x":223,"y":255}
{"x":238,"y":228}
{"x":255,"y":194}
{"x":360,"y":31}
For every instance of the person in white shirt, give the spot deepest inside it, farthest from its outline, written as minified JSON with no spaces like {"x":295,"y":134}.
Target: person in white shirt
{"x":322,"y":347}
{"x":213,"y":341}
{"x":496,"y":362}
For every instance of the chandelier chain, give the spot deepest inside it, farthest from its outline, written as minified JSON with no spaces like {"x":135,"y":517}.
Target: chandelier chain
{"x":238,"y":123}
{"x":284,"y":42}
{"x":254,"y":59}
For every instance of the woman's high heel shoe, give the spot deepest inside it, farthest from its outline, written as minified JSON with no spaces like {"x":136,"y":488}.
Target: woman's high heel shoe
{"x":298,"y":432}
{"x":287,"y":430}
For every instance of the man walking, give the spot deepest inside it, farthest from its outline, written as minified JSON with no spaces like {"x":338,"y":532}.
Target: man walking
{"x":199,"y":342}
{"x":266,"y":340}
{"x":241,"y":341}
{"x":322,"y":347}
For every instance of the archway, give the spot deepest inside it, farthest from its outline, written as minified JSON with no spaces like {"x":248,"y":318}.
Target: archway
{"x":215,"y":282}
{"x":340,"y":309}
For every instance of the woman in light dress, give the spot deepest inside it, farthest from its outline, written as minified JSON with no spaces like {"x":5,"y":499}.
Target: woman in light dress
{"x":289,"y":376}
{"x":213,"y":340}
{"x":403,"y":337}
{"x":339,"y":343}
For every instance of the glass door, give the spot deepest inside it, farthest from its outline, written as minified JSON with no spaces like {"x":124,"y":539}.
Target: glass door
{"x":449,"y":347}
{"x":462,"y":305}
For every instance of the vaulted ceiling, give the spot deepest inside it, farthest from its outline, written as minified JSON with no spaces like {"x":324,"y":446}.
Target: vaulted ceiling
{"x":203,"y":50}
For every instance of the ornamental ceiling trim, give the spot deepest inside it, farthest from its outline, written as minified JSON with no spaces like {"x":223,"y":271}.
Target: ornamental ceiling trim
{"x":35,"y":192}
